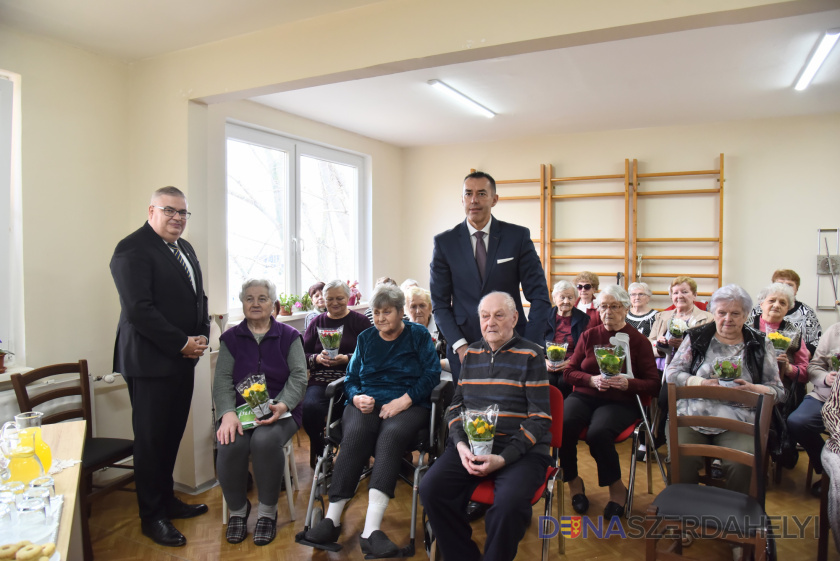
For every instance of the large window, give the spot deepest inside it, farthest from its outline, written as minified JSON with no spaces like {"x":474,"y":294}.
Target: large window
{"x":292,"y":212}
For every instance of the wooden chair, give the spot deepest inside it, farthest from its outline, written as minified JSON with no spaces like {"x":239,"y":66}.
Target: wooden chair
{"x":711,"y":511}
{"x":99,"y":453}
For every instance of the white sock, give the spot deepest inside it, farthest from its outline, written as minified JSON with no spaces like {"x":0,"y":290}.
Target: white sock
{"x":334,"y":511}
{"x":377,"y":503}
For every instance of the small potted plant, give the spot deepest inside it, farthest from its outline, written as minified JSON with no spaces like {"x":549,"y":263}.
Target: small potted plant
{"x":3,"y":353}
{"x":610,"y":359}
{"x":480,"y":427}
{"x":727,"y":370}
{"x":834,"y":360}
{"x":555,"y":353}
{"x":781,"y":339}
{"x":289,"y":303}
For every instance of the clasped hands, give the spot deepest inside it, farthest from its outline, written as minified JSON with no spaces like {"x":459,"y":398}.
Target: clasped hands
{"x":231,"y":425}
{"x":603,"y":383}
{"x":480,"y":466}
{"x":195,"y":347}
{"x":365,"y":404}
{"x":324,"y":359}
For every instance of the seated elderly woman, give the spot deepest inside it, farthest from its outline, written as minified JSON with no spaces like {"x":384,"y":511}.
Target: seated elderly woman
{"x":388,"y":386}
{"x":322,"y":368}
{"x":775,"y":301}
{"x":606,"y":405}
{"x":641,"y":315}
{"x":565,"y":325}
{"x":587,"y":285}
{"x":319,"y":305}
{"x":694,"y":365}
{"x":800,"y":313}
{"x":418,"y":308}
{"x":257,"y":345}
{"x":806,"y":423}
{"x":683,"y":291}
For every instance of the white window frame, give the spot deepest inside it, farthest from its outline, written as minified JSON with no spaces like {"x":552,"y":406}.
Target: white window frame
{"x":297,"y":147}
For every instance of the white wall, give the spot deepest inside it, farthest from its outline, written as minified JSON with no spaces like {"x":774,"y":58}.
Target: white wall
{"x":782,"y":178}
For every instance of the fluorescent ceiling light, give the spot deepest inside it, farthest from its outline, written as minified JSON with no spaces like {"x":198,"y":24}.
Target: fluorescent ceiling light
{"x":455,"y":94}
{"x":819,"y":55}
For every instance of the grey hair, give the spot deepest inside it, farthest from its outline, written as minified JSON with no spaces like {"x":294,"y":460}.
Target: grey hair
{"x":408,"y":283}
{"x":412,"y":291}
{"x":337,"y":283}
{"x":265,"y":283}
{"x":561,"y":286}
{"x":777,"y":288}
{"x":642,"y":285}
{"x":510,"y":304}
{"x":617,"y":292}
{"x":387,"y":296}
{"x":170,"y":191}
{"x":731,"y":293}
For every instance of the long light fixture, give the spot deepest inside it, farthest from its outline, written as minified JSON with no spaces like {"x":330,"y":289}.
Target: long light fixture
{"x":455,"y":94}
{"x":819,"y":55}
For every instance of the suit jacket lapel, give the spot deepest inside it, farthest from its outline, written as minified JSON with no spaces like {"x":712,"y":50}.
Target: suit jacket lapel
{"x":492,"y":248}
{"x":170,"y":258}
{"x":468,"y":255}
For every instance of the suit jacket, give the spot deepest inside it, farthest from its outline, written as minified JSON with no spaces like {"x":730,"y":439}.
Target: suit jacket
{"x":457,"y":288}
{"x":160,"y":309}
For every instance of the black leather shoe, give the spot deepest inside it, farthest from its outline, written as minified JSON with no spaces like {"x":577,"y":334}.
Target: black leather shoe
{"x":162,"y":532}
{"x":579,"y":502}
{"x":476,"y":510}
{"x":613,"y":509}
{"x":180,"y":509}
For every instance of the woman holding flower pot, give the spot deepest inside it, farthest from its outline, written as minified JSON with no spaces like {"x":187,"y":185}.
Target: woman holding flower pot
{"x":565,"y":326}
{"x":666,"y":333}
{"x":258,"y":345}
{"x":605,"y":405}
{"x":775,"y":301}
{"x":709,"y":355}
{"x":323,"y":368}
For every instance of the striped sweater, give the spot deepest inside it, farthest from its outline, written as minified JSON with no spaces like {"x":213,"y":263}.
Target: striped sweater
{"x":514,"y":377}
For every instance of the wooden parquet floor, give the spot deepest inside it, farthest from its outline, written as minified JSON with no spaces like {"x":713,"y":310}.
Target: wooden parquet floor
{"x":116,"y":535}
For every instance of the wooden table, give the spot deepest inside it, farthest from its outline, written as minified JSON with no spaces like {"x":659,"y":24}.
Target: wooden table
{"x":67,"y":441}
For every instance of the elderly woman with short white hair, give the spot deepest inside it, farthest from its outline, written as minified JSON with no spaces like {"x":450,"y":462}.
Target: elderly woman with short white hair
{"x":694,"y":365}
{"x":606,"y":405}
{"x":775,"y":302}
{"x":418,"y":308}
{"x":565,"y":324}
{"x":641,"y":315}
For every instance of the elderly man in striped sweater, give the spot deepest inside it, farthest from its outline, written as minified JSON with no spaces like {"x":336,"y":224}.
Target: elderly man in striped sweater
{"x":505,"y":370}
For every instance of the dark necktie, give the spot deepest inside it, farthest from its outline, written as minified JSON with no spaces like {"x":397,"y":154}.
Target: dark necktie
{"x":480,"y":254}
{"x":180,"y":259}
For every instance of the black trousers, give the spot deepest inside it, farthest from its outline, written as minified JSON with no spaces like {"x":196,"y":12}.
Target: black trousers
{"x":605,"y":420}
{"x":446,"y":489}
{"x":159,"y":411}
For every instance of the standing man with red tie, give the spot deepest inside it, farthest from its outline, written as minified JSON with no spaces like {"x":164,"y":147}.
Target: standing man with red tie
{"x":479,"y":256}
{"x":162,"y":332}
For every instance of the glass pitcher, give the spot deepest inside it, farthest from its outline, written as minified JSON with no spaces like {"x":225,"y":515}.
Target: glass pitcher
{"x":30,"y":422}
{"x":19,"y":448}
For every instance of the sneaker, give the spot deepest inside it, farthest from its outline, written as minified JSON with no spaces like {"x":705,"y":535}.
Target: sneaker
{"x":266,"y":530}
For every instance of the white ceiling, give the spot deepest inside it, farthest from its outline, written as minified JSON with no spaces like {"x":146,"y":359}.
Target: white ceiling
{"x":136,"y":29}
{"x":706,"y":75}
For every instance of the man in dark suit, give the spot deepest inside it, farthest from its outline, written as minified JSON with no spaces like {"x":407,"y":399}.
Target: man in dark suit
{"x":162,"y":332}
{"x":479,"y":256}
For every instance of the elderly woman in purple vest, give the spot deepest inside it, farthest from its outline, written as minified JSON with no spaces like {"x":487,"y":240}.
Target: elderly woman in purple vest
{"x":257,"y":345}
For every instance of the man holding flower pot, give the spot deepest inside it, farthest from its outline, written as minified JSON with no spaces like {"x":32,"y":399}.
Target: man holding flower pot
{"x":503,"y":370}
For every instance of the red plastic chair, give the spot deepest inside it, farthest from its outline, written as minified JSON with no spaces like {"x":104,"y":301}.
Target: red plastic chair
{"x":485,"y":492}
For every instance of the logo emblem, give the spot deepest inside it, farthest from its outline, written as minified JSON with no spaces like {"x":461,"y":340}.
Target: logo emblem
{"x":570,"y":526}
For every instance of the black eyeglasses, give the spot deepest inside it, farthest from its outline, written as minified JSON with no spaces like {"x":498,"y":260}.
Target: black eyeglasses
{"x":584,"y":286}
{"x":169,"y":211}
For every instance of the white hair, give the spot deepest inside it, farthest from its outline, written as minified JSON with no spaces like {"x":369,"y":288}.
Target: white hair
{"x":337,"y":283}
{"x":408,"y":283}
{"x":265,"y":283}
{"x":640,"y":285}
{"x":616,"y":292}
{"x":510,"y":304}
{"x":778,"y":288}
{"x":561,"y":286}
{"x":731,"y":293}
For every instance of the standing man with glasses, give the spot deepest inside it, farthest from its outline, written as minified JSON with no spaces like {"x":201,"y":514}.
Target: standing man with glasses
{"x":162,"y":332}
{"x":479,"y":256}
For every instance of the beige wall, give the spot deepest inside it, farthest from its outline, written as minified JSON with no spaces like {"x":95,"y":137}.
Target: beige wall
{"x":782,"y":178}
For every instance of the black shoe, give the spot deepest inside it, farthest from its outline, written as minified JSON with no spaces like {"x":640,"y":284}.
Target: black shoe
{"x":162,"y":532}
{"x":323,"y":532}
{"x":816,"y":488}
{"x":476,"y":510}
{"x":237,"y":528}
{"x":579,"y":502}
{"x":179,"y":509}
{"x":613,"y":509}
{"x":378,"y":545}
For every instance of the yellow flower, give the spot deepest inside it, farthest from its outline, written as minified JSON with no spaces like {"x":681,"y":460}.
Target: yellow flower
{"x":555,"y":348}
{"x":480,"y":430}
{"x":246,"y":392}
{"x":776,"y":336}
{"x":258,"y":388}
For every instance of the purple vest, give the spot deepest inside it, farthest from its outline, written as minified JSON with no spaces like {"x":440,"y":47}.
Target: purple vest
{"x":269,"y":357}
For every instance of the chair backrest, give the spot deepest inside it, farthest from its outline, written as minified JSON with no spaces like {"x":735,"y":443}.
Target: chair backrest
{"x":556,"y":397}
{"x":758,"y":430}
{"x":28,"y":402}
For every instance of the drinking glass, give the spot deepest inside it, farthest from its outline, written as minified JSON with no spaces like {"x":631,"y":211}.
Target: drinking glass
{"x":40,"y":493}
{"x":31,"y":512}
{"x":15,"y":487}
{"x":44,"y":481}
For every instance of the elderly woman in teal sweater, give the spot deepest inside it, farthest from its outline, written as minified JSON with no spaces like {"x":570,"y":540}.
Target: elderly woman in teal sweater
{"x":388,"y":386}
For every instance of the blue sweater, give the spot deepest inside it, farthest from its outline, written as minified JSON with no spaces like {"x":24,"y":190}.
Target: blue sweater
{"x":385,"y":370}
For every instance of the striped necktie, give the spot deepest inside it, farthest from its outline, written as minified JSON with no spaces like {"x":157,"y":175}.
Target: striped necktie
{"x":180,"y":259}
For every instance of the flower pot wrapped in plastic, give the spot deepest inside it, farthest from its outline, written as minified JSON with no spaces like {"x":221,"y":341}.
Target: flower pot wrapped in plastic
{"x":677,"y":327}
{"x":727,"y":369}
{"x":834,"y":360}
{"x":781,"y":339}
{"x":610,"y":359}
{"x":480,"y":427}
{"x":555,"y":353}
{"x":331,"y":339}
{"x":255,"y":393}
